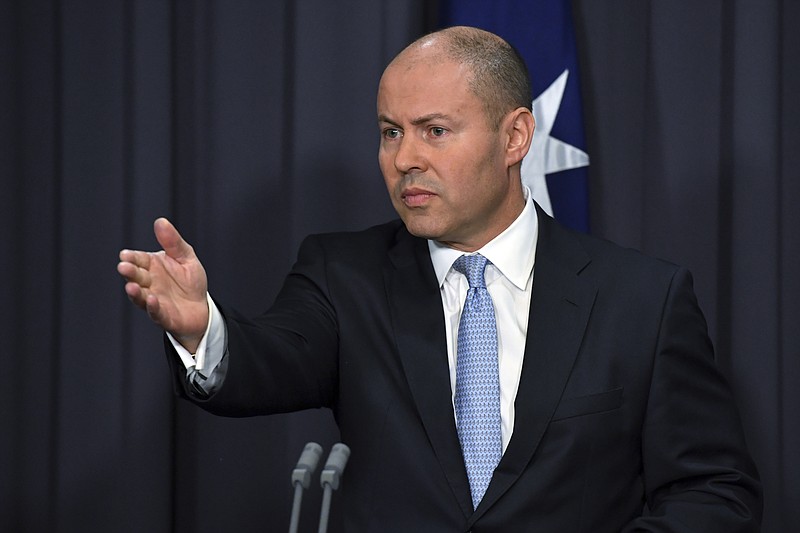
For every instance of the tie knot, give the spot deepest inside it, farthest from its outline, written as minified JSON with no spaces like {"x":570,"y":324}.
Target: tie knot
{"x":472,"y":266}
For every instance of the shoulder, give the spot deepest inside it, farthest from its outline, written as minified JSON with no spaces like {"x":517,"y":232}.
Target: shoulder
{"x":601,"y":259}
{"x":379,"y":236}
{"x":361,"y":249}
{"x":372,"y":242}
{"x":613,"y":255}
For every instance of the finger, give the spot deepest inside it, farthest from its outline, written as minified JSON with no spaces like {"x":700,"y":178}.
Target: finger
{"x":146,"y":300}
{"x":153,"y":307}
{"x":135,"y":274}
{"x":127,"y":270}
{"x":172,"y":242}
{"x":136,"y":257}
{"x":135,"y":294}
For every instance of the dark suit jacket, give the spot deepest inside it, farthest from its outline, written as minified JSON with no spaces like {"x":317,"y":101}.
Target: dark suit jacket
{"x":619,"y":404}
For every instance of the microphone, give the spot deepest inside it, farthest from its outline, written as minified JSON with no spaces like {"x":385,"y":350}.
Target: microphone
{"x":301,"y":479}
{"x":329,"y":479}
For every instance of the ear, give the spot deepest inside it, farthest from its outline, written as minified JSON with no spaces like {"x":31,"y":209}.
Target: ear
{"x":519,"y":125}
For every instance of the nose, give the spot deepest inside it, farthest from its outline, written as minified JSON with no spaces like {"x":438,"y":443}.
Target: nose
{"x":410,"y":155}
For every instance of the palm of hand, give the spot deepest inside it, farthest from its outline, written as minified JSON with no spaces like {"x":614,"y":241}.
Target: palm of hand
{"x":179,"y":288}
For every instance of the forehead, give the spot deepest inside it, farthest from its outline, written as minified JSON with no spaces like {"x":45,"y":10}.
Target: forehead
{"x":424,"y":86}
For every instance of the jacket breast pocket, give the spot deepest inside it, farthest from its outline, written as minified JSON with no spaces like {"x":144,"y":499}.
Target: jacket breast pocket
{"x":588,"y":405}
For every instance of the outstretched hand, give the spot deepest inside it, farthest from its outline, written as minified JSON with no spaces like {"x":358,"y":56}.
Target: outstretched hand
{"x":170,"y":285}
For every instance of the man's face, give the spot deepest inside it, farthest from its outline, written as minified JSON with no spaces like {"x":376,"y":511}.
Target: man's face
{"x":444,"y":165}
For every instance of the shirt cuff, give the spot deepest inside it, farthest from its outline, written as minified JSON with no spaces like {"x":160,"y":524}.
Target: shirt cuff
{"x":212,"y":345}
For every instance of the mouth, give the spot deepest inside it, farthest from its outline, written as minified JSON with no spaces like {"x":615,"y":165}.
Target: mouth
{"x":415,"y":197}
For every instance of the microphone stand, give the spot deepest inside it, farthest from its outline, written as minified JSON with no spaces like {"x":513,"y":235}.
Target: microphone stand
{"x":329,"y":479}
{"x":301,"y":479}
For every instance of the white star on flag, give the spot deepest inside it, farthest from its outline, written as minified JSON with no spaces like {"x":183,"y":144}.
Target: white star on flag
{"x":548,"y":155}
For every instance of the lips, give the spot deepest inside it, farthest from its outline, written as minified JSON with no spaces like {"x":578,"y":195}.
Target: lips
{"x":415,"y":197}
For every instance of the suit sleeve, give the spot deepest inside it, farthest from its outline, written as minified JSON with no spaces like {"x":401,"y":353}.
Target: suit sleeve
{"x":286,"y":359}
{"x":697,"y":473}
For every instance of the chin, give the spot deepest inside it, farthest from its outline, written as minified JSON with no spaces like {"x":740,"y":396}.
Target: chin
{"x":420,"y":230}
{"x":417,"y":232}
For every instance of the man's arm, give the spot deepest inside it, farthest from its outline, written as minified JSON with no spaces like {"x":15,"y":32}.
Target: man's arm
{"x":698,"y":474}
{"x":285,"y":359}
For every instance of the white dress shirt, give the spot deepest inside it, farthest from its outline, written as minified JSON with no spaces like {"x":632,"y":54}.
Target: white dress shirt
{"x":509,"y":280}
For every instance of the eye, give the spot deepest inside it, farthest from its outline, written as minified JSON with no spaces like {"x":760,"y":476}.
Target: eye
{"x":391,"y":133}
{"x":437,"y":131}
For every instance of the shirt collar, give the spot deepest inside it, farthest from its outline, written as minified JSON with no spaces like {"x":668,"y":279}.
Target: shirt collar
{"x":513,"y":251}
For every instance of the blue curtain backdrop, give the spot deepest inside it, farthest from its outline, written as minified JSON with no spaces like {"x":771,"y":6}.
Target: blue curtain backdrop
{"x":252,"y":124}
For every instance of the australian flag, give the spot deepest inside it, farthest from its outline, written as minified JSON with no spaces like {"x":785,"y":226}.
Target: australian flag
{"x":555,"y":168}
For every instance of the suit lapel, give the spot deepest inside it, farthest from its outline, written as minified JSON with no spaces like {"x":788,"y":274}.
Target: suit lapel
{"x":560,"y":306}
{"x":418,"y":320}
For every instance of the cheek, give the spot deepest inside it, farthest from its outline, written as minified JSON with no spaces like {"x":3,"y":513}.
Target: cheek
{"x":390,"y":178}
{"x":387,"y":170}
{"x":461,"y":176}
{"x":386,"y":155}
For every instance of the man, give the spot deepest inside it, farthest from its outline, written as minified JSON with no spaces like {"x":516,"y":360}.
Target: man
{"x":600,"y":408}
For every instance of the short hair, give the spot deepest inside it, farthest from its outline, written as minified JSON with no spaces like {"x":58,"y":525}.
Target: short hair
{"x":499,"y":74}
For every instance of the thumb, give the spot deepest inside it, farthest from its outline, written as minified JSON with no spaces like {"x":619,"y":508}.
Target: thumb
{"x":171,"y":241}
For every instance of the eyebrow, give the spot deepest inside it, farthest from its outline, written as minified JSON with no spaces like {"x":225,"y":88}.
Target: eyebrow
{"x":417,"y":121}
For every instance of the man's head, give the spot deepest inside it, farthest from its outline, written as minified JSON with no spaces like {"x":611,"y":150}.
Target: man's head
{"x":498,"y":75}
{"x":455,"y":120}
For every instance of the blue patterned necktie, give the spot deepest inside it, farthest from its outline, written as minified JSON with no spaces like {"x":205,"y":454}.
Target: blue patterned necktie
{"x":477,"y":398}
